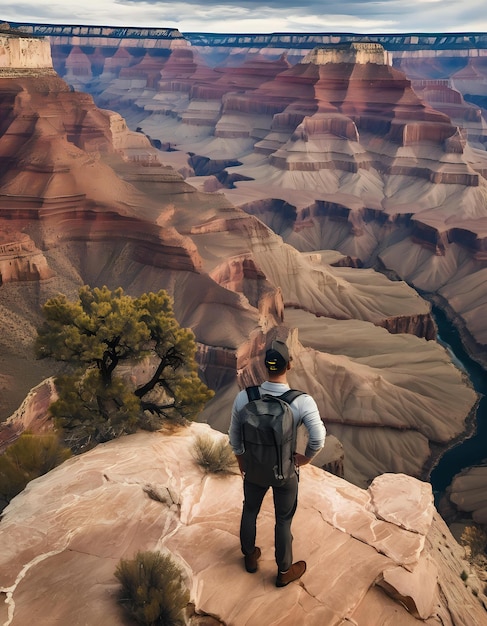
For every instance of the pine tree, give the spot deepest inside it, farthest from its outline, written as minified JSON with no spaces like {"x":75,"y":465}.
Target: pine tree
{"x":103,"y":335}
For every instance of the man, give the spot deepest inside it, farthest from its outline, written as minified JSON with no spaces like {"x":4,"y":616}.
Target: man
{"x":305,"y":411}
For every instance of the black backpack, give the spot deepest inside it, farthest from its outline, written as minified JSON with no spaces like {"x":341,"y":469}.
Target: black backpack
{"x":269,"y":436}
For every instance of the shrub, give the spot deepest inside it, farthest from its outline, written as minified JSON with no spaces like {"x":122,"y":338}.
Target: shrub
{"x":475,"y":539}
{"x":29,"y":457}
{"x":152,"y":589}
{"x":213,"y":456}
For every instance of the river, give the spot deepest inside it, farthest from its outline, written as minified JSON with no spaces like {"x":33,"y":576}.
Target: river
{"x":472,"y":451}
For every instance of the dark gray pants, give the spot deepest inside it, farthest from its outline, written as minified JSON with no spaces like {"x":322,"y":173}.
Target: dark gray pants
{"x":285,"y":503}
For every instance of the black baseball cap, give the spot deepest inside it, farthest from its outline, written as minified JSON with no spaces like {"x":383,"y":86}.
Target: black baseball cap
{"x":277,"y":356}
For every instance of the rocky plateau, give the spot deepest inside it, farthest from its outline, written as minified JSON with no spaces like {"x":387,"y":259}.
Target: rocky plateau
{"x":374,"y":556}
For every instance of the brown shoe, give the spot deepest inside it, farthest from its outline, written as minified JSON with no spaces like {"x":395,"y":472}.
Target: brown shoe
{"x":293,"y":573}
{"x":251,"y":560}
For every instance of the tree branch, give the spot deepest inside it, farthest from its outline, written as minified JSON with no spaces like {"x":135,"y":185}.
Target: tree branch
{"x":173,"y":359}
{"x":158,"y":409}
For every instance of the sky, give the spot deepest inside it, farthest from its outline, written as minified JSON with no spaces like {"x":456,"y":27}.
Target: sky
{"x":251,"y":16}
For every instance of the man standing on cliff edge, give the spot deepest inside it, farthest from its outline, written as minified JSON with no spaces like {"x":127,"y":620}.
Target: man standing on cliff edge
{"x":304,"y":411}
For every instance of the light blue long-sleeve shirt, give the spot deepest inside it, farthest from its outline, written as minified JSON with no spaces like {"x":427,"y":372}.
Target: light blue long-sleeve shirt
{"x":305,"y":411}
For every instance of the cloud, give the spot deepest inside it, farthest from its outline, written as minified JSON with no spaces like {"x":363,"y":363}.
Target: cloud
{"x":251,"y":16}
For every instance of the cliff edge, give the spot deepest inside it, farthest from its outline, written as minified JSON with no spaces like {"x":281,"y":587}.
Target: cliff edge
{"x":23,"y":54}
{"x":373,"y":555}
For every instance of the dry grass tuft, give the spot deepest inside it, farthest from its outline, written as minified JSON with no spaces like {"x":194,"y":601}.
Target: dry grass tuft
{"x":214,"y":456}
{"x":153,"y":591}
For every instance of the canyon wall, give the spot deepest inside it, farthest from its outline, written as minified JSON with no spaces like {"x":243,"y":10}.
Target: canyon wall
{"x":261,"y":197}
{"x":83,"y":199}
{"x":337,"y":153}
{"x":22,"y":53}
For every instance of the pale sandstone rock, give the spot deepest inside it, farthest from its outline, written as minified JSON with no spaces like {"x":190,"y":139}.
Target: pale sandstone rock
{"x":417,"y":590}
{"x":19,"y":53}
{"x":353,"y":53}
{"x":64,"y":535}
{"x":394,"y":499}
{"x":32,"y":415}
{"x":20,"y":259}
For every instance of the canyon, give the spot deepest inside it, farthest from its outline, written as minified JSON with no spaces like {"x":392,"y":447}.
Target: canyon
{"x":84,"y":199}
{"x":369,"y":145}
{"x":308,"y":192}
{"x":275,"y":187}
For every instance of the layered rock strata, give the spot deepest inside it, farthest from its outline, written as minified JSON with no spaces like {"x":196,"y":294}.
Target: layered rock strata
{"x":338,"y":151}
{"x":21,"y":54}
{"x":436,"y":46}
{"x":50,"y":148}
{"x":102,"y":209}
{"x":441,"y":96}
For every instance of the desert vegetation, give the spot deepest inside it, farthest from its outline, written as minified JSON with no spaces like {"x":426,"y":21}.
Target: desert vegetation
{"x":102,"y":337}
{"x":474,"y":540}
{"x":27,"y":458}
{"x":214,"y":456}
{"x":153,"y":591}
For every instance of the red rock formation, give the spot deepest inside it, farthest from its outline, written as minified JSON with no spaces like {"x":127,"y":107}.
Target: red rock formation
{"x":472,"y":78}
{"x":252,"y":73}
{"x":137,"y":224}
{"x":113,"y":64}
{"x":183,"y":71}
{"x":443,"y":98}
{"x":20,"y":259}
{"x":148,"y":69}
{"x":49,"y":146}
{"x":77,"y":65}
{"x":242,"y":275}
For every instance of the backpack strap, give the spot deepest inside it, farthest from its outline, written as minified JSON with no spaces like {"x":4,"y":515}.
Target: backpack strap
{"x":253,"y":393}
{"x":290,"y":395}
